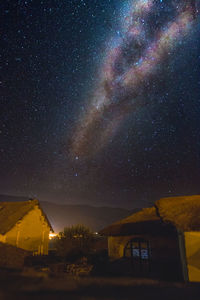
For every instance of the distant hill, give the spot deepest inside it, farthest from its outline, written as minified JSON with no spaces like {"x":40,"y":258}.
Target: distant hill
{"x":12,"y":198}
{"x":94,"y":217}
{"x":63,"y":215}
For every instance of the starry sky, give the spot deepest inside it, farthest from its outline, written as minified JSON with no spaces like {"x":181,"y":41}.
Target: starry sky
{"x":100,"y":100}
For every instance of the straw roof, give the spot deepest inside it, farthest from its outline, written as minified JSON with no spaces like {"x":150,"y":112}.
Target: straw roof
{"x":144,"y":221}
{"x":183,"y":212}
{"x":12,"y":212}
{"x":168,"y":214}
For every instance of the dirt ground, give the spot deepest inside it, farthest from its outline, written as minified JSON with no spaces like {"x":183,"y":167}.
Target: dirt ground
{"x":32,"y":286}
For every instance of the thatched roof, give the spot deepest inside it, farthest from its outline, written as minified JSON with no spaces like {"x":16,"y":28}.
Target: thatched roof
{"x":183,"y":212}
{"x":144,"y":221}
{"x":12,"y":212}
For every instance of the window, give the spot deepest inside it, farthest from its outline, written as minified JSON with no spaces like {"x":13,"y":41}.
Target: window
{"x":137,"y":249}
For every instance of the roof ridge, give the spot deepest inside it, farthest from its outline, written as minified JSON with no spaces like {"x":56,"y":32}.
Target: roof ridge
{"x":158,"y":213}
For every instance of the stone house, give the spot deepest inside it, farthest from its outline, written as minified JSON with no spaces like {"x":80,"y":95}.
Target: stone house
{"x":25,"y":225}
{"x":162,"y":241}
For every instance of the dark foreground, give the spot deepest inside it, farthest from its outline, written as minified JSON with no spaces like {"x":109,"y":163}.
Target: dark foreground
{"x":30,"y":285}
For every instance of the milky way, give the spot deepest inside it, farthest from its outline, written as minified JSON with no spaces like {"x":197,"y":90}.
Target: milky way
{"x":149,"y":34}
{"x":99,"y":100}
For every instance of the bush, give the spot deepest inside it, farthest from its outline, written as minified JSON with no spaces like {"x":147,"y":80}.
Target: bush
{"x":75,"y":242}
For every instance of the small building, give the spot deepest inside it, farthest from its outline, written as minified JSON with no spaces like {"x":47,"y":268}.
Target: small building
{"x":162,"y":241}
{"x":25,"y":225}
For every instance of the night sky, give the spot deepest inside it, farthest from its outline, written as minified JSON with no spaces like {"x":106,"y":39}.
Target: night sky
{"x":99,"y":100}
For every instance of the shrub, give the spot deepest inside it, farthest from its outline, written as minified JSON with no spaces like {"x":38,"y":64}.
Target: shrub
{"x":75,"y":242}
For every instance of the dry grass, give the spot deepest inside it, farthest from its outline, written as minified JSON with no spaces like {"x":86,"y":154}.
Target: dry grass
{"x":35,"y":286}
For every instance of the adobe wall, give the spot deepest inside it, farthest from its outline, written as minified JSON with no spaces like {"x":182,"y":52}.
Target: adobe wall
{"x":164,"y":254}
{"x":116,"y":245}
{"x":162,"y":247}
{"x":31,"y":233}
{"x":192,"y":247}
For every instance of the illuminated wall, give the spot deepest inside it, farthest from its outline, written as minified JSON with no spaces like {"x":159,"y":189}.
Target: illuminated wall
{"x":192,"y":247}
{"x":116,"y":246}
{"x":31,"y":233}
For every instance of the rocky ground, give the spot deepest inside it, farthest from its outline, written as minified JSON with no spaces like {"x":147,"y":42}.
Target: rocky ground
{"x":40,"y":285}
